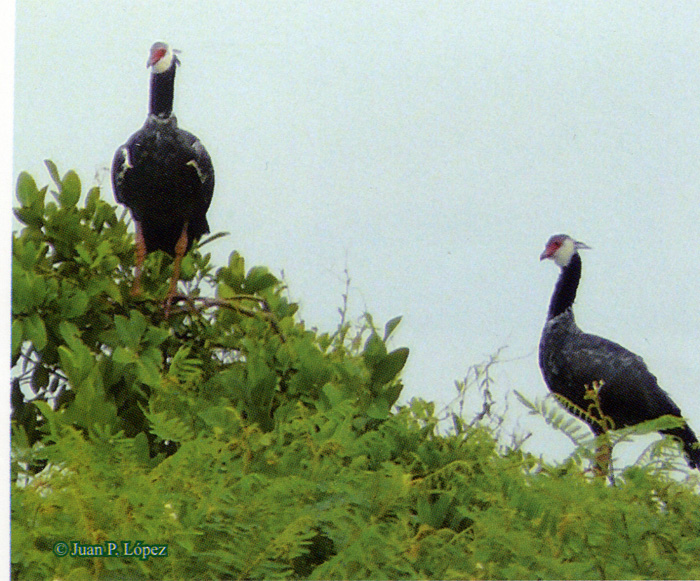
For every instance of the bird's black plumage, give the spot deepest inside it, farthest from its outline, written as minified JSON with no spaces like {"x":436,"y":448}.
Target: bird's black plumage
{"x":163,"y":174}
{"x":167,"y":180}
{"x":571,"y":359}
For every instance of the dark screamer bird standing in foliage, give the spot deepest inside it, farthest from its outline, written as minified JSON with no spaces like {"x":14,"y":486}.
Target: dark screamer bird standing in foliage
{"x":164,"y":175}
{"x":570,"y":360}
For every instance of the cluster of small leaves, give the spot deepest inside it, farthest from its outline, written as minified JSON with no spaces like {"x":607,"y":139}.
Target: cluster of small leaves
{"x":254,"y":447}
{"x":321,"y":497}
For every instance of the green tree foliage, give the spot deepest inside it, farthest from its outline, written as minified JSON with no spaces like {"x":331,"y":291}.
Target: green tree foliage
{"x":254,"y":447}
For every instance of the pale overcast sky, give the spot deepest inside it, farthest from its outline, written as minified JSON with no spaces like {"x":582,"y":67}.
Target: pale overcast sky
{"x":430,"y":148}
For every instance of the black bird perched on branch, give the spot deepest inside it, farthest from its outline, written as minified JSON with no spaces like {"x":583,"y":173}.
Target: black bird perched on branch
{"x":164,"y":175}
{"x":570,"y":360}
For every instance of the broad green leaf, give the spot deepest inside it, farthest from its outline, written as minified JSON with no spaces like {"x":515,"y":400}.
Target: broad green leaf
{"x":29,"y":254}
{"x":392,"y":392}
{"x":140,"y":448}
{"x":37,"y":290}
{"x":73,"y":304}
{"x":333,"y":395}
{"x":69,"y":364}
{"x":21,"y":292}
{"x":131,"y":329}
{"x":68,"y":331}
{"x":27,"y":192}
{"x":69,"y":193}
{"x":154,"y":336}
{"x":258,"y":278}
{"x":148,"y":372}
{"x":233,"y":274}
{"x":375,"y":351}
{"x":29,"y":216}
{"x":236,"y":264}
{"x":379,"y":409}
{"x":91,"y":200}
{"x":90,"y":406}
{"x":224,"y":291}
{"x":390,"y":366}
{"x":36,"y":331}
{"x":187,"y":267}
{"x":124,"y":356}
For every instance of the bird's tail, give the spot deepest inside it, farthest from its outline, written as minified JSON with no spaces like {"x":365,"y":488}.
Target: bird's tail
{"x":690,"y":445}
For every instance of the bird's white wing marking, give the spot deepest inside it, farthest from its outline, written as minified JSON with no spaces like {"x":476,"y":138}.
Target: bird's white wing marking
{"x":195,"y":165}
{"x":126,"y":164}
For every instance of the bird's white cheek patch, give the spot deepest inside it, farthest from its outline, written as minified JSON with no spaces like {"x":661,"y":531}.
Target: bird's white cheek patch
{"x":163,"y":63}
{"x":563,"y":256}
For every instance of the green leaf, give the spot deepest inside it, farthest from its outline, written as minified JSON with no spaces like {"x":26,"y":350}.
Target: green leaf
{"x":379,"y":409}
{"x":27,"y":192}
{"x":69,"y":192}
{"x":53,"y":172}
{"x":28,"y":254}
{"x":73,"y":304}
{"x":392,"y":392}
{"x":83,"y":254}
{"x":21,"y":293}
{"x":375,"y":351}
{"x":259,"y":278}
{"x":233,"y":274}
{"x":154,"y":336}
{"x":130,"y":330}
{"x":187,"y":267}
{"x":17,"y":336}
{"x":28,"y":216}
{"x":91,"y":200}
{"x":124,"y":356}
{"x":68,"y":331}
{"x":148,"y":372}
{"x":90,"y":406}
{"x":333,"y":394}
{"x":224,"y":291}
{"x":390,"y":366}
{"x":140,"y":448}
{"x":36,"y":331}
{"x":390,"y":326}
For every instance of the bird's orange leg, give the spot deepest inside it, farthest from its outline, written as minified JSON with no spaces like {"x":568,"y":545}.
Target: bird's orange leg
{"x":180,"y":249}
{"x":140,"y":257}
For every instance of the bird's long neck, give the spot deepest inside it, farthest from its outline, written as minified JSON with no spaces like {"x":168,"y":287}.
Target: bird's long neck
{"x":162,"y":92}
{"x":565,"y":289}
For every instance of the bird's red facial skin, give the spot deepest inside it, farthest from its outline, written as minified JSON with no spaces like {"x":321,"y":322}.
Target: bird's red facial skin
{"x":156,"y":55}
{"x":550,"y":250}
